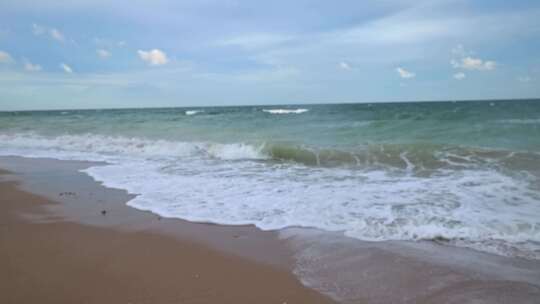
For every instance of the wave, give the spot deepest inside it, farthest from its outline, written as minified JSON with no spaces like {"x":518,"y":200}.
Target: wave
{"x":193,"y":112}
{"x":378,"y":192}
{"x":285,"y":111}
{"x":413,"y":158}
{"x":102,"y":145}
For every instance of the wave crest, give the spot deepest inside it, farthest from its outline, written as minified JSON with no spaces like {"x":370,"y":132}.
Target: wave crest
{"x":129,"y":146}
{"x":193,"y":112}
{"x":285,"y":111}
{"x":412,"y":158}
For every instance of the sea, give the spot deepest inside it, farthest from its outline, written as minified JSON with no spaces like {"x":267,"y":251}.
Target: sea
{"x":466,"y":173}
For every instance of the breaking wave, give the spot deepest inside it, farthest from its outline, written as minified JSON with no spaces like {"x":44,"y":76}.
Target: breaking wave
{"x":479,"y":198}
{"x":408,"y":157}
{"x":285,"y":111}
{"x":193,"y":112}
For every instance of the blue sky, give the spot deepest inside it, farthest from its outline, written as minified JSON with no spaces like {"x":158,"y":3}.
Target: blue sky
{"x":100,"y":54}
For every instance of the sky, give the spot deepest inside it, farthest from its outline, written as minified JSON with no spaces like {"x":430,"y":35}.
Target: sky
{"x":161,"y":53}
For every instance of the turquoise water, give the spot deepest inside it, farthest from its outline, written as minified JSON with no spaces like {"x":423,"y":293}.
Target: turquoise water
{"x":510,"y":125}
{"x":467,"y":172}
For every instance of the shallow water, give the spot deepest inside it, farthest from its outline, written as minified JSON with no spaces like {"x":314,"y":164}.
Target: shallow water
{"x":466,"y":173}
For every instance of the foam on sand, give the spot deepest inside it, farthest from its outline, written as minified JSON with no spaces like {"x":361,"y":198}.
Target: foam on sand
{"x":471,"y":206}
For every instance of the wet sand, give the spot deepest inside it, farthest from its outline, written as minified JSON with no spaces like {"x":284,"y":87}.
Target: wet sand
{"x":48,"y":258}
{"x":59,"y":247}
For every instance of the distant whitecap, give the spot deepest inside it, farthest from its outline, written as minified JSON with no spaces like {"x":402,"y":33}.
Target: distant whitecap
{"x":285,"y":111}
{"x":193,"y":112}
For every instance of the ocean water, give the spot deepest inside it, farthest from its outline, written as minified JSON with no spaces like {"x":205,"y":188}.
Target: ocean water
{"x":463,"y":173}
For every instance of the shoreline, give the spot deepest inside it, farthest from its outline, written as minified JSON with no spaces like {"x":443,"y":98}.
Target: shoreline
{"x":348,"y":270}
{"x":82,"y":199}
{"x":50,"y":258}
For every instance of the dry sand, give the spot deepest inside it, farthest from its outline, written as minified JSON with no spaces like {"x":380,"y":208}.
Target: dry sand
{"x":65,"y":262}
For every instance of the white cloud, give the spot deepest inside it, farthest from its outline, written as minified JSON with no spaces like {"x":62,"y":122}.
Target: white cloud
{"x":103,"y":53}
{"x":470,"y":63}
{"x":30,"y":67}
{"x":460,"y":76}
{"x":466,"y":62}
{"x":55,"y":34}
{"x":344,"y":66}
{"x":5,"y":57}
{"x":153,"y":57}
{"x":66,"y":68}
{"x":404,"y":73}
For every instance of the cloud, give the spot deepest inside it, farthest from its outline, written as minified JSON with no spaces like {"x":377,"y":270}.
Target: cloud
{"x":460,"y":76}
{"x":104,"y":54}
{"x":5,"y":57}
{"x":30,"y":67}
{"x":344,"y":66}
{"x":374,"y":37}
{"x":66,"y":68}
{"x":470,"y":63}
{"x":54,"y":33}
{"x":466,"y":62}
{"x":404,"y":73}
{"x":153,"y":57}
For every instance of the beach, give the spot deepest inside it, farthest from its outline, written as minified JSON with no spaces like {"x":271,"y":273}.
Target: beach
{"x":66,"y":239}
{"x":50,"y":257}
{"x":360,"y":152}
{"x":352,"y":203}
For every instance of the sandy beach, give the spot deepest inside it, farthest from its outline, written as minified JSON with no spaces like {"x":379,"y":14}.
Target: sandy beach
{"x":352,"y":152}
{"x":67,"y":239}
{"x":47,"y":258}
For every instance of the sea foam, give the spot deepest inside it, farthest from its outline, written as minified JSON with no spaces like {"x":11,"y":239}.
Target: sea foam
{"x":193,"y":112}
{"x":482,"y":208}
{"x":285,"y":111}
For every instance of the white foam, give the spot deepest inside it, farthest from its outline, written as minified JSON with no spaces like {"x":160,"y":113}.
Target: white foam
{"x":482,"y":208}
{"x":236,"y":151}
{"x":101,"y":146}
{"x":193,"y":112}
{"x":285,"y":111}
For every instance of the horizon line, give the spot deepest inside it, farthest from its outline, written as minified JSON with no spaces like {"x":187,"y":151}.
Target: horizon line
{"x":272,"y":105}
